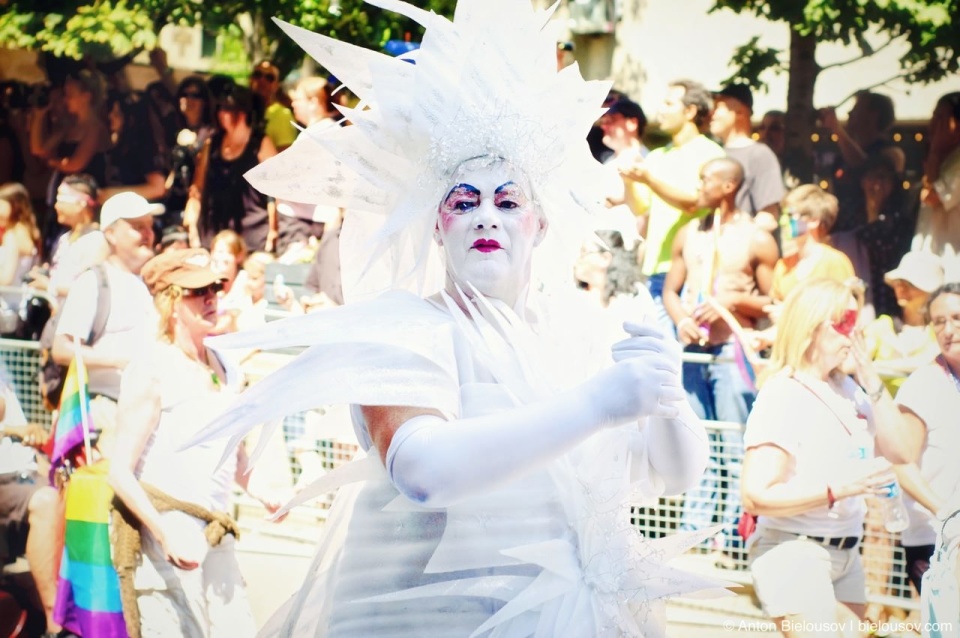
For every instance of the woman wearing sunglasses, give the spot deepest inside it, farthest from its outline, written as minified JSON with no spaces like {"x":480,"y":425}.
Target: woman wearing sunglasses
{"x":220,"y":197}
{"x":188,"y":582}
{"x":195,"y":126}
{"x":819,"y":439}
{"x":277,"y":118}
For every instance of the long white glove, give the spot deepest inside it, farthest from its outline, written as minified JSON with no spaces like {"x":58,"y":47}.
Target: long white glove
{"x":436,"y":463}
{"x":677,"y":448}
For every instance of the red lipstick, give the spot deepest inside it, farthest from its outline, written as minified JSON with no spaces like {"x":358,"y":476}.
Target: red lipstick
{"x":486,"y":245}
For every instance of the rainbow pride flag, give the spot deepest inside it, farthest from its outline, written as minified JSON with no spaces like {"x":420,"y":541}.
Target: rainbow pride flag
{"x":88,"y":591}
{"x":73,"y":420}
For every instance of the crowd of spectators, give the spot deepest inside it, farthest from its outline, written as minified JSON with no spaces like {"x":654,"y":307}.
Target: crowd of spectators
{"x":732,"y":254}
{"x":828,"y":300}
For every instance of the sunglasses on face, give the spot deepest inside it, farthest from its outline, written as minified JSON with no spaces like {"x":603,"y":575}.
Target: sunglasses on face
{"x":263,"y":75}
{"x":67,"y":196}
{"x":211,"y":289}
{"x":846,"y":323}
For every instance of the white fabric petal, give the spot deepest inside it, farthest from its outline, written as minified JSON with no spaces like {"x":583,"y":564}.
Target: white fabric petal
{"x":358,"y":469}
{"x":496,"y":587}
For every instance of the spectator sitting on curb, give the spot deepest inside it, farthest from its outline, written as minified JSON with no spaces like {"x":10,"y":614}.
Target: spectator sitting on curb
{"x":30,"y":510}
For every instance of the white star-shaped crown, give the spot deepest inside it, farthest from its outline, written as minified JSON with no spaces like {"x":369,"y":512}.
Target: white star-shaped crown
{"x":485,"y":84}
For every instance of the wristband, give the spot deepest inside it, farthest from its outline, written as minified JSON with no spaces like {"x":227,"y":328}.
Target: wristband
{"x":831,"y":499}
{"x":876,"y":394}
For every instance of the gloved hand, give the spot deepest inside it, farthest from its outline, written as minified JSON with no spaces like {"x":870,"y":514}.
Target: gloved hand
{"x":644,"y":381}
{"x":437,"y":463}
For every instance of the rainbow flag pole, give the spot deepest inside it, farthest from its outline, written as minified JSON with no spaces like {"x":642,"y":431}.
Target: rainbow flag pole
{"x":82,"y":381}
{"x":88,"y":591}
{"x":73,"y":417}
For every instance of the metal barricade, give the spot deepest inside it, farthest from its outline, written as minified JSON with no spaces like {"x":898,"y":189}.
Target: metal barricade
{"x":883,"y":559}
{"x":22,"y":362}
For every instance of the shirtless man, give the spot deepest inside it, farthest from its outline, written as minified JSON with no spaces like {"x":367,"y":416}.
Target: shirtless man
{"x":724,"y":259}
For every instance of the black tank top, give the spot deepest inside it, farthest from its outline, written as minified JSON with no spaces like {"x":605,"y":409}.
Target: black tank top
{"x":229,"y":200}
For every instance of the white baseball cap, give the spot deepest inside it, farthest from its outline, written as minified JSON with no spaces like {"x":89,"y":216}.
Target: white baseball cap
{"x":921,"y":269}
{"x":127,"y":205}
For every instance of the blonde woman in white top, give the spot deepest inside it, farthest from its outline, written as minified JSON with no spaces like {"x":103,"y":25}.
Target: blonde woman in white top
{"x":816,"y":443}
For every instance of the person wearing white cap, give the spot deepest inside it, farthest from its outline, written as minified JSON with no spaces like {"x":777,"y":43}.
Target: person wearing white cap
{"x":901,"y":345}
{"x":126,"y":221}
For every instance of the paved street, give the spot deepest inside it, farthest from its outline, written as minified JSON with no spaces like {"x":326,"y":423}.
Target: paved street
{"x":275,"y":558}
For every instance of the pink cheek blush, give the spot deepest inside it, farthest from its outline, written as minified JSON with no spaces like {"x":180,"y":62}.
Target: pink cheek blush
{"x":447,"y":220}
{"x":528,"y":224}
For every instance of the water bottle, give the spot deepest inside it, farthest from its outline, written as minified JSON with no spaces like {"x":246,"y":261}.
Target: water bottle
{"x":894,"y":511}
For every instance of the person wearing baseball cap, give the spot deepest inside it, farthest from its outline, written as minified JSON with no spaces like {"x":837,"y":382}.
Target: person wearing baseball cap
{"x":918,"y":269}
{"x":108,"y":314}
{"x":762,"y":188}
{"x":172,"y":388}
{"x":187,"y":268}
{"x":623,"y":125}
{"x":738,"y":92}
{"x":126,"y":220}
{"x":907,"y":342}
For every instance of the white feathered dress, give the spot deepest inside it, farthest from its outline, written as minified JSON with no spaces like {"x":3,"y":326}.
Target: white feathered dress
{"x":550,"y":554}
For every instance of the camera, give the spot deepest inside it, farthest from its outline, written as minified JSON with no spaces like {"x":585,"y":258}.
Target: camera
{"x":14,"y":94}
{"x":39,"y":95}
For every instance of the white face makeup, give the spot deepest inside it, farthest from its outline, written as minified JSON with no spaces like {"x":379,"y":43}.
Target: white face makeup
{"x":487,"y":228}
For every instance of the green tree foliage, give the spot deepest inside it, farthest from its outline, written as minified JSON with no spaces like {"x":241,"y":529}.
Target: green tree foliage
{"x":928,"y":28}
{"x":103,"y":30}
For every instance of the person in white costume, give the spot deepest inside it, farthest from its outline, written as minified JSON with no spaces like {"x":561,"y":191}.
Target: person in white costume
{"x":504,"y":449}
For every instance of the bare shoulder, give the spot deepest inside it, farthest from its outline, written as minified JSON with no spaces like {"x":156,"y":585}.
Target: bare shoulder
{"x":383,"y":422}
{"x":763,"y":243}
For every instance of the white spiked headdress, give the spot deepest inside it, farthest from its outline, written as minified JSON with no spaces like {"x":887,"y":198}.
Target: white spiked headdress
{"x":484,"y":84}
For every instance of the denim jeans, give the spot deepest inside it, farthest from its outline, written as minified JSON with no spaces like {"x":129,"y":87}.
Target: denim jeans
{"x":655,"y":286}
{"x":717,"y":392}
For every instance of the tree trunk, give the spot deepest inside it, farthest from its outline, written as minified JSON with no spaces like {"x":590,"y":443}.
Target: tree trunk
{"x":801,"y":116}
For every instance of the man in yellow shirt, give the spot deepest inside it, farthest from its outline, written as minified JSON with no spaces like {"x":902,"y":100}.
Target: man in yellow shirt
{"x":663,"y":186}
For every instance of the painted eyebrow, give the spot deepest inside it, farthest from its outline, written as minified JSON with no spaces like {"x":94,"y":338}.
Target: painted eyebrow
{"x":473,"y":190}
{"x":503,"y":187}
